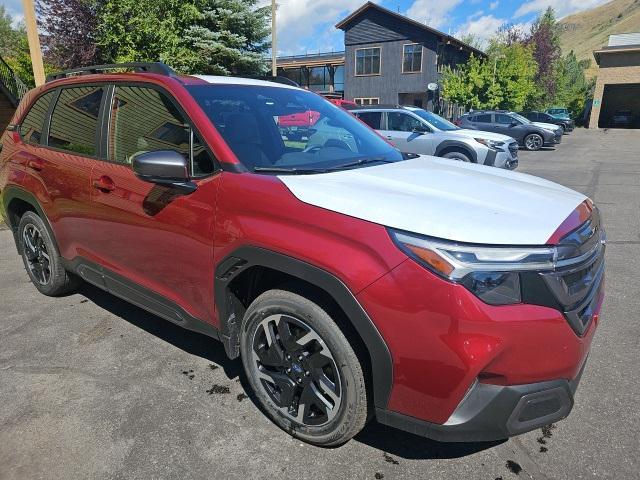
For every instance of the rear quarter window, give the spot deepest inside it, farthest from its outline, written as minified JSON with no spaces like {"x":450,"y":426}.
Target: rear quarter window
{"x":33,"y":123}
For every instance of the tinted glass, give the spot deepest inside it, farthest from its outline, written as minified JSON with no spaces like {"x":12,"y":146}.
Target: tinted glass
{"x":402,"y":122}
{"x":435,"y":120}
{"x":373,"y":119}
{"x":145,"y":120}
{"x":74,"y":122}
{"x":285,"y":128}
{"x":486,"y":118}
{"x":31,"y":126}
{"x":503,"y":119}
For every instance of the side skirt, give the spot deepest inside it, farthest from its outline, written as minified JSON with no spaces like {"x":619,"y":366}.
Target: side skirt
{"x":138,"y":295}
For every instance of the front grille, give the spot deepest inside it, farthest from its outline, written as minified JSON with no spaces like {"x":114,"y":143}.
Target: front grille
{"x":576,"y":287}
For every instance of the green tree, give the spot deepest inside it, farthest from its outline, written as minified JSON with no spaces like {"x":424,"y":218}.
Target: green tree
{"x":573,"y":88}
{"x":505,"y":79}
{"x":194,"y":36}
{"x":9,"y":36}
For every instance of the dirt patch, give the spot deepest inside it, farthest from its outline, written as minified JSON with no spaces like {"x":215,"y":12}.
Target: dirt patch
{"x":389,"y":459}
{"x":514,"y":467}
{"x":218,"y":389}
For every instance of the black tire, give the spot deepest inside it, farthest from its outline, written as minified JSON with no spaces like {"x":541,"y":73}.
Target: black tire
{"x":564,"y":129}
{"x":290,"y":318}
{"x":458,"y":155}
{"x":42,"y":259}
{"x":533,"y":142}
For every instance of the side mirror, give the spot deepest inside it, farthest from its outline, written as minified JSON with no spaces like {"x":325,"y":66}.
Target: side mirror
{"x":513,"y":124}
{"x":164,"y":167}
{"x":420,"y":130}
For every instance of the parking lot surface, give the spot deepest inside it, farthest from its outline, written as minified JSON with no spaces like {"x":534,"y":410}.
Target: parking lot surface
{"x":92,"y":387}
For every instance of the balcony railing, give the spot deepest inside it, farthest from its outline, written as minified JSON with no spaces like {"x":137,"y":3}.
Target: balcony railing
{"x":13,"y":87}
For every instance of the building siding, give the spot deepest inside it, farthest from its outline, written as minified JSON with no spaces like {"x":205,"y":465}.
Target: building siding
{"x":377,"y":29}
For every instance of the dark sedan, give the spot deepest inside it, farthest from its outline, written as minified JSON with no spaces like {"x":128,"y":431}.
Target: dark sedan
{"x":567,"y":124}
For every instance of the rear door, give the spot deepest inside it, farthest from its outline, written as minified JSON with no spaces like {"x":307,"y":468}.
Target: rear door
{"x":399,"y":129}
{"x":59,"y":170}
{"x":483,"y":121}
{"x":154,"y":236}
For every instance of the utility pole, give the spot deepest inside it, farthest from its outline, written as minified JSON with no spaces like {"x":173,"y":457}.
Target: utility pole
{"x":34,"y":41}
{"x":274,"y":49}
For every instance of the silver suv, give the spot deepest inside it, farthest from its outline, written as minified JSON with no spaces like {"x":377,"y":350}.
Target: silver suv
{"x":414,"y":130}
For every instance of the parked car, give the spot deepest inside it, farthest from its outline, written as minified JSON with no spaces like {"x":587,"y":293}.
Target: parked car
{"x":559,"y":112}
{"x":567,"y":125}
{"x":622,"y":118}
{"x":414,"y":130}
{"x":354,"y":282}
{"x":297,"y":125}
{"x":532,"y":136}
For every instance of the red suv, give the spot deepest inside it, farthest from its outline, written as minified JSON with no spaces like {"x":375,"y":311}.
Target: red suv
{"x":448,"y":299}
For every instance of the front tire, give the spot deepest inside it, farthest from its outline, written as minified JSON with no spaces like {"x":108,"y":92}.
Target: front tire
{"x":533,"y":142}
{"x":461,"y":157}
{"x":302,"y":369}
{"x":41,"y":258}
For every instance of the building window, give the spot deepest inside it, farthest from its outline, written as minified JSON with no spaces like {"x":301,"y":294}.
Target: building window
{"x":367,"y":101}
{"x":368,"y":61}
{"x":412,"y":58}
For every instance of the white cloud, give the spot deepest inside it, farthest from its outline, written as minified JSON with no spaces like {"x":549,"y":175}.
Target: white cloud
{"x":304,"y":25}
{"x":434,"y":13}
{"x":561,"y":7}
{"x":493,"y":5}
{"x":480,"y":27}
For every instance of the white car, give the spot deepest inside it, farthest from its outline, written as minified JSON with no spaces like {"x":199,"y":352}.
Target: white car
{"x":415,"y":130}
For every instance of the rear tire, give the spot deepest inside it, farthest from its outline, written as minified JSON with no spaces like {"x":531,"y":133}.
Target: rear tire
{"x":533,"y":142}
{"x":462,"y":157}
{"x":302,"y":369}
{"x":41,"y":258}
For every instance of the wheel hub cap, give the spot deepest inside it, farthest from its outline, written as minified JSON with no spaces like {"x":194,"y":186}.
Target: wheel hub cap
{"x":36,"y":254}
{"x":296,"y":370}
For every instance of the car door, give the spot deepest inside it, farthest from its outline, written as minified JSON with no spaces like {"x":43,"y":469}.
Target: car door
{"x":505,"y":124}
{"x":58,"y":158}
{"x":484,"y":122}
{"x":401,"y":129}
{"x":153,"y":236}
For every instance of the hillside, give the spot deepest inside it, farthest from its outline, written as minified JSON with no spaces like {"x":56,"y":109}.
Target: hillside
{"x":587,"y":31}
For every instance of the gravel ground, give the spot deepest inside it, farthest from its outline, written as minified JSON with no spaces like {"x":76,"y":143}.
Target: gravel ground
{"x":91,"y":387}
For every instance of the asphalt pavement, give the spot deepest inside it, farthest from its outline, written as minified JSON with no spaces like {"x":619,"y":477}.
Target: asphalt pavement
{"x":94,"y":388}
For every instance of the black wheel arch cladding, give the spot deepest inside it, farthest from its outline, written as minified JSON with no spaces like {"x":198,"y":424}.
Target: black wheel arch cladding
{"x":231,"y":310}
{"x":453,"y":146}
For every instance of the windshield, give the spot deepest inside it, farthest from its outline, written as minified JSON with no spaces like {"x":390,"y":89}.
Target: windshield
{"x":557,"y":111}
{"x":280,"y":130}
{"x":521,"y":118}
{"x":435,"y":120}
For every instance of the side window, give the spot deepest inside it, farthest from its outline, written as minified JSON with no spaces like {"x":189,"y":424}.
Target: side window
{"x":373,"y":119}
{"x":485,"y":118}
{"x":74,"y":122}
{"x":401,"y":122}
{"x":31,"y":126}
{"x":145,"y":120}
{"x":503,"y":119}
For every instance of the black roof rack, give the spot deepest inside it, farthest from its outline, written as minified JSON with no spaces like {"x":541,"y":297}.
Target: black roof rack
{"x":269,"y":78}
{"x":146,"y":67}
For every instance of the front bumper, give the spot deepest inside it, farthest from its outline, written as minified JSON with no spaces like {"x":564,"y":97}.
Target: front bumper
{"x":506,"y":159}
{"x":494,"y":412}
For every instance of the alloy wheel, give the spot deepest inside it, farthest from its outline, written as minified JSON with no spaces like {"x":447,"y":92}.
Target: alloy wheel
{"x":36,"y":254}
{"x":296,"y":370}
{"x":534,"y":142}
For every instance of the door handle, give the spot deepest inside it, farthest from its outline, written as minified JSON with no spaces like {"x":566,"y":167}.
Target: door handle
{"x":104,"y":184}
{"x":389,"y":137}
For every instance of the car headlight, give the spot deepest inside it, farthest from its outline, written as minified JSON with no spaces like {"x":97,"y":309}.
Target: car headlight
{"x":491,"y":273}
{"x":489,"y":143}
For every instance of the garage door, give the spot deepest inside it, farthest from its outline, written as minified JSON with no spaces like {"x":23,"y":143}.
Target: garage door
{"x":620,"y":106}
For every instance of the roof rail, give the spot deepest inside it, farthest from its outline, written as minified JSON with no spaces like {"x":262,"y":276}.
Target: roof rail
{"x":268,"y":78}
{"x":144,"y":67}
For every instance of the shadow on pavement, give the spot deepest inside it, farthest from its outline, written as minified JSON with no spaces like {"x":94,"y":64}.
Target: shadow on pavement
{"x":408,"y":446}
{"x":390,"y":440}
{"x":186,"y":340}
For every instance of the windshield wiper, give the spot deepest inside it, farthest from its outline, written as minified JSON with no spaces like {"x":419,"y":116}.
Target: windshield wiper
{"x":362,"y":161}
{"x":291,"y":170}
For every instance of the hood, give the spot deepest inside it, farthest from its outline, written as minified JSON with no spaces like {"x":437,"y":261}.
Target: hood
{"x":547,"y":126}
{"x":445,"y":199}
{"x":466,"y":133}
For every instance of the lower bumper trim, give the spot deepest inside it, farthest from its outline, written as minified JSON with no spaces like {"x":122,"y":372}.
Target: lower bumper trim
{"x":494,"y":412}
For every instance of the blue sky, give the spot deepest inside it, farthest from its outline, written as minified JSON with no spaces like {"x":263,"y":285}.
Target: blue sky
{"x":308,"y":25}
